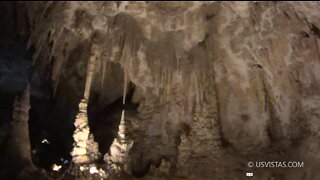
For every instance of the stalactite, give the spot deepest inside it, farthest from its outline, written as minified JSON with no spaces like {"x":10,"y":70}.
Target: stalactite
{"x":90,"y":72}
{"x":125,"y":59}
{"x":125,"y":83}
{"x":38,"y":48}
{"x":187,"y":50}
{"x":104,"y":70}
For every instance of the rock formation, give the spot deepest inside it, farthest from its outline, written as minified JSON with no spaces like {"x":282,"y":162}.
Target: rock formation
{"x":184,"y":150}
{"x":18,"y":150}
{"x":118,"y":156}
{"x":164,"y":170}
{"x":209,"y":84}
{"x":85,"y":149}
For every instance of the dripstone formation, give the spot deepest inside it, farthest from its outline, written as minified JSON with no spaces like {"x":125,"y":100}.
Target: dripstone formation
{"x":118,"y":157}
{"x":85,"y":149}
{"x":201,"y":88}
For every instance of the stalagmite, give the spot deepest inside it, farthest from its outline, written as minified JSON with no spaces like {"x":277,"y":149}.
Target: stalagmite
{"x":18,"y":142}
{"x":119,"y":150}
{"x":162,"y":170}
{"x":184,"y":154}
{"x":199,"y":146}
{"x":85,"y":150}
{"x":118,"y":156}
{"x":241,"y":78}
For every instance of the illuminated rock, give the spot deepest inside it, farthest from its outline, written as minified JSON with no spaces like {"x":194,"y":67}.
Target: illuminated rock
{"x":81,"y":135}
{"x":118,"y":154}
{"x":56,"y":167}
{"x":85,"y":149}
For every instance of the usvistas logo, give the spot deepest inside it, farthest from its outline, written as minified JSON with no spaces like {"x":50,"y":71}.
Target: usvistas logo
{"x":276,"y":164}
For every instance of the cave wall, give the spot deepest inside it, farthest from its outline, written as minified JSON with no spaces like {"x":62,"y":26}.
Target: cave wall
{"x":239,"y":78}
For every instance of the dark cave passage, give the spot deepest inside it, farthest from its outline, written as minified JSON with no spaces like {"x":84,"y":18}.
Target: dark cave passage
{"x":51,"y":141}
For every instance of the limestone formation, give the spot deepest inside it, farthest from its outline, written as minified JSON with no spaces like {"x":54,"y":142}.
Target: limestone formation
{"x":184,"y":150}
{"x":164,"y":170}
{"x":85,"y":150}
{"x":20,"y":127}
{"x":242,"y":76}
{"x":18,"y":148}
{"x":118,"y":156}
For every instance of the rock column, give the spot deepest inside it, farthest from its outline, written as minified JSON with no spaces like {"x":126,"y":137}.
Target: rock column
{"x":85,"y":150}
{"x":17,"y":146}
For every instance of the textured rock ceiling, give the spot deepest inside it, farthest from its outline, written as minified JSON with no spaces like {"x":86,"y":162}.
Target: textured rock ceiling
{"x":231,"y":81}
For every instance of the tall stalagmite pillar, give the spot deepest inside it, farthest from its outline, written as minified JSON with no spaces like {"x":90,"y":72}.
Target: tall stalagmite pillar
{"x":85,"y":150}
